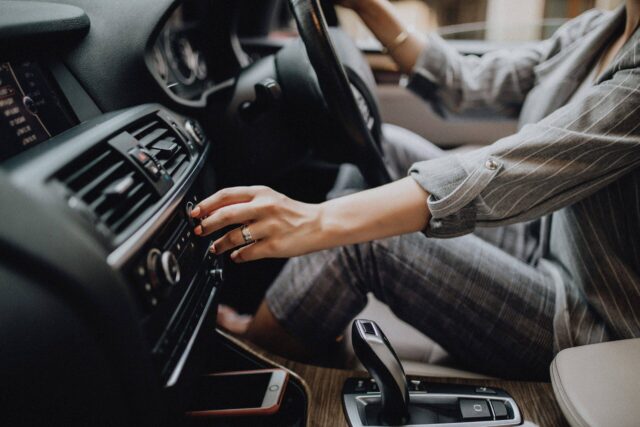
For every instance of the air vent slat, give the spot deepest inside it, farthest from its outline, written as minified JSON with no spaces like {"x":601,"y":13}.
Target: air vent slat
{"x":86,"y":168}
{"x":153,"y":136}
{"x":100,"y":180}
{"x":97,"y":205}
{"x":181,"y":169}
{"x":124,"y":204}
{"x":136,"y":133}
{"x":132,"y":214}
{"x":111,"y":188}
{"x":173,"y":164}
{"x":170,"y":157}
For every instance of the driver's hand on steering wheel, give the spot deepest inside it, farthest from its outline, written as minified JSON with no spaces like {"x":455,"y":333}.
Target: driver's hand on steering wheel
{"x":275,"y":226}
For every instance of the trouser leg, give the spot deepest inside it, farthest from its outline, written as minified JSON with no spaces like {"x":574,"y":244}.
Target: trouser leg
{"x":488,"y":309}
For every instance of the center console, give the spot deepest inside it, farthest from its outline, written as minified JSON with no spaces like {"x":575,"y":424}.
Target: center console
{"x":136,"y":188}
{"x":433,"y":404}
{"x":389,"y":399}
{"x":349,"y":398}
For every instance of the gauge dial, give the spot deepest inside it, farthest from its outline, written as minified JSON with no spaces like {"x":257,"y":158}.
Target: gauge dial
{"x":201,"y":68}
{"x":177,"y":60}
{"x":182,"y":57}
{"x":160,"y":64}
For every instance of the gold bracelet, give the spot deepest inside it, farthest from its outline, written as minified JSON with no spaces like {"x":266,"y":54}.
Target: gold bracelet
{"x":401,"y":38}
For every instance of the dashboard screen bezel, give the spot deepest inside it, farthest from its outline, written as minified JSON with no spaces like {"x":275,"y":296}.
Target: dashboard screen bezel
{"x":53,"y":89}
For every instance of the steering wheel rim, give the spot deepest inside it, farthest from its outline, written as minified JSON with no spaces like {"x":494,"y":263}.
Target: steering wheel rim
{"x":336,"y":89}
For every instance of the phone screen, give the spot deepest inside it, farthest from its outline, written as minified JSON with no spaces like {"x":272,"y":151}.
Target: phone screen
{"x":231,"y":392}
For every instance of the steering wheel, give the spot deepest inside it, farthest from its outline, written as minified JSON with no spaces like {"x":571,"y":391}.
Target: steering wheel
{"x":338,"y":92}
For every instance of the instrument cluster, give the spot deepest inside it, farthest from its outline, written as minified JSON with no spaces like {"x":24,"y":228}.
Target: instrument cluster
{"x":179,"y":58}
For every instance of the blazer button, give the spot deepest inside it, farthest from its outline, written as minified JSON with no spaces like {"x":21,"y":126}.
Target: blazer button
{"x":491,"y":165}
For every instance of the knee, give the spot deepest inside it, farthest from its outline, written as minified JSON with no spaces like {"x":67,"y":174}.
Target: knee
{"x":368,"y":268}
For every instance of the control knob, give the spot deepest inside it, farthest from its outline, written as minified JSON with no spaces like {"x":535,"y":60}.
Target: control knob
{"x":164,"y":269}
{"x":195,"y":132}
{"x":217,"y":274}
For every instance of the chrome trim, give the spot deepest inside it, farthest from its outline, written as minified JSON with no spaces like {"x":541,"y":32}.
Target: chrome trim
{"x":173,"y":379}
{"x":385,"y":355}
{"x":355,"y":404}
{"x":129,"y":247}
{"x":272,"y":397}
{"x":166,"y":259}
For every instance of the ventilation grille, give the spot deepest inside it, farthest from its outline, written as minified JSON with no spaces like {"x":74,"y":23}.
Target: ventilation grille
{"x":110,"y":187}
{"x":164,"y":145}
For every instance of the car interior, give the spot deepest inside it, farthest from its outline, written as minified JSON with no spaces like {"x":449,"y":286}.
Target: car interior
{"x":118,"y":117}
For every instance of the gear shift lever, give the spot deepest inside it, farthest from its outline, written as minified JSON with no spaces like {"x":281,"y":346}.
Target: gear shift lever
{"x":376,"y":354}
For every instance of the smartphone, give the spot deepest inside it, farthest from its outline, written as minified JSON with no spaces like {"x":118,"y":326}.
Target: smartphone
{"x":239,"y":393}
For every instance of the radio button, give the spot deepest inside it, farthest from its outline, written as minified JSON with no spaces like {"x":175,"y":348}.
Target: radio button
{"x":153,"y":169}
{"x":217,"y":274}
{"x":188,"y":208}
{"x":153,"y":267}
{"x":141,"y":156}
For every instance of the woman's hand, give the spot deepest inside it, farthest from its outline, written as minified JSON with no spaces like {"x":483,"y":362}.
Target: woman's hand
{"x":380,"y":17}
{"x":278,"y":226}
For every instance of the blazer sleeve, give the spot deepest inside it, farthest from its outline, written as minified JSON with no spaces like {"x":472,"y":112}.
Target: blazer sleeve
{"x":572,"y":153}
{"x":498,"y":80}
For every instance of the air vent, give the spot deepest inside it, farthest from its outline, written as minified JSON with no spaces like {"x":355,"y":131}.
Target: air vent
{"x":110,"y":187}
{"x":164,"y":144}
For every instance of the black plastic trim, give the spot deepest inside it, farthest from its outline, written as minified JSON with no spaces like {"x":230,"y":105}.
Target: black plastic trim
{"x":33,"y":169}
{"x":42,"y":22}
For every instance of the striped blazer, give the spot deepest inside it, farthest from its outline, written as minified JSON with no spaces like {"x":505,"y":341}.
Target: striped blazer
{"x":575,"y":161}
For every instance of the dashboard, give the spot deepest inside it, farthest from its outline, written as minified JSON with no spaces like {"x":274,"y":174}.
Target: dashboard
{"x":111,"y":130}
{"x":99,"y":266}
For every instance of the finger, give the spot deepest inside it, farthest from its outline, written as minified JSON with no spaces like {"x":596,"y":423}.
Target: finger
{"x":224,"y":197}
{"x":253,"y":252}
{"x":230,"y":240}
{"x":235,"y":238}
{"x":235,"y":214}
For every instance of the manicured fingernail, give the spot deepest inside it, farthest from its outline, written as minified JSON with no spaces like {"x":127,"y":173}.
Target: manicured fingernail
{"x":235,"y":257}
{"x":195,"y":212}
{"x":198,"y":230}
{"x":212,"y":248}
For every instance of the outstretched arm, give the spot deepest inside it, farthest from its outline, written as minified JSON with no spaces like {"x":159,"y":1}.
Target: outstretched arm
{"x":283,"y":228}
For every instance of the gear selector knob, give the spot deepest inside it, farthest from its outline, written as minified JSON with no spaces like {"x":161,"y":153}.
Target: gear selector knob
{"x":376,"y":354}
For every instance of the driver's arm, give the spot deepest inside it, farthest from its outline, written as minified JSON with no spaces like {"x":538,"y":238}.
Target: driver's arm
{"x":379,"y":15}
{"x":284,"y":228}
{"x":499,"y":80}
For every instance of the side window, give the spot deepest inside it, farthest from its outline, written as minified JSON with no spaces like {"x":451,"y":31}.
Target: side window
{"x":492,"y":20}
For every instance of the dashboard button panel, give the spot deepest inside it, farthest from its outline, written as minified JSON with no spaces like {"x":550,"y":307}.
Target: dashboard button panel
{"x":177,"y":279}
